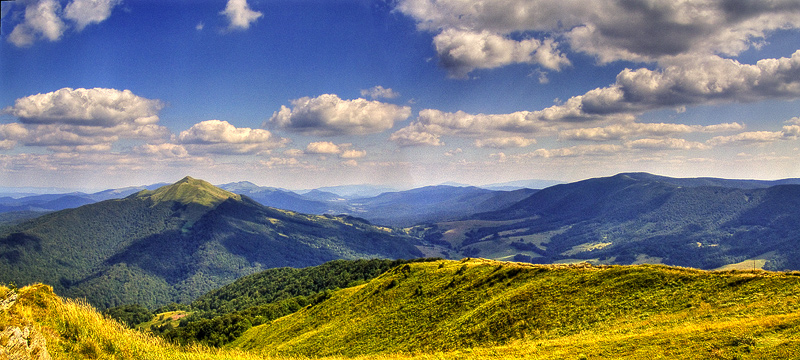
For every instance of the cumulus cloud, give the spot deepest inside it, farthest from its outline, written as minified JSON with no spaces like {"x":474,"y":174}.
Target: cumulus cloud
{"x":461,"y":52}
{"x":574,"y":151}
{"x":328,"y":115}
{"x":220,"y":137}
{"x":611,"y":30}
{"x":86,"y":107}
{"x":85,"y":12}
{"x":689,"y":81}
{"x":353,"y":154}
{"x":322,"y":147}
{"x":274,"y":162}
{"x":329,"y":148}
{"x":754,"y":137}
{"x":665,"y":144}
{"x":240,"y":15}
{"x":79,"y":117}
{"x":504,"y":142}
{"x":415,"y":135}
{"x":378,"y":92}
{"x":624,"y":131}
{"x":42,"y":20}
{"x":431,"y":124}
{"x":165,"y":150}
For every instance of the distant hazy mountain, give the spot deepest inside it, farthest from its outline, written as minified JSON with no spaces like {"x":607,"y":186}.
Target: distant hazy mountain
{"x":521,"y":184}
{"x":177,"y":242}
{"x":54,"y":202}
{"x":632,"y":218}
{"x":432,"y":204}
{"x":355,"y":191}
{"x":280,"y":198}
{"x":398,"y":208}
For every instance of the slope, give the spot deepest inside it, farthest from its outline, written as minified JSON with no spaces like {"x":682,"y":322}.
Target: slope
{"x":613,"y":311}
{"x":37,"y":324}
{"x":178,"y":242}
{"x":632,"y":218}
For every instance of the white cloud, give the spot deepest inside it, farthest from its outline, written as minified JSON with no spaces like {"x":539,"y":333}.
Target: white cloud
{"x":504,"y":142}
{"x":328,"y":115}
{"x":414,"y":136}
{"x":665,"y":144}
{"x":689,"y":81}
{"x":85,"y":12}
{"x":574,"y":151}
{"x":95,"y":148}
{"x":377,"y":92}
{"x":461,"y":52}
{"x":166,"y":150}
{"x":274,"y":162}
{"x":624,"y":131}
{"x":240,"y":15}
{"x":454,"y":152}
{"x":350,"y":163}
{"x":322,"y":147}
{"x":216,"y":136}
{"x":86,"y":107}
{"x":637,"y":30}
{"x":353,"y":154}
{"x":431,"y":124}
{"x":293,"y":152}
{"x":79,"y":117}
{"x":790,"y":132}
{"x":42,"y":20}
{"x":329,"y":148}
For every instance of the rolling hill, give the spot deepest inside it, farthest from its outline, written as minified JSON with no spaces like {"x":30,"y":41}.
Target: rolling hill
{"x":638,"y":218}
{"x":470,"y":309}
{"x":488,"y":309}
{"x":178,"y":242}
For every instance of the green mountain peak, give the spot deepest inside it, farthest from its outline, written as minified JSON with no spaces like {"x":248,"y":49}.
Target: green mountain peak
{"x":189,"y":191}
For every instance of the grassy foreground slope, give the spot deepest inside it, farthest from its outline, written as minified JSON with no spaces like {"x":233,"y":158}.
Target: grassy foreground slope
{"x":37,"y":324}
{"x":485,"y":309}
{"x":468,"y":310}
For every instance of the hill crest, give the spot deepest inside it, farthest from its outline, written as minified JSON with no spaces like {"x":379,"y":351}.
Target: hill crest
{"x":188,"y":191}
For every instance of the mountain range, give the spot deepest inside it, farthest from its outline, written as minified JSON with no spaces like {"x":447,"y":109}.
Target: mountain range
{"x":178,"y":242}
{"x":639,"y":218}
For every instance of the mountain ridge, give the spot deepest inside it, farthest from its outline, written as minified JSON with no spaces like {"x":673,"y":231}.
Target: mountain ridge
{"x":177,"y":242}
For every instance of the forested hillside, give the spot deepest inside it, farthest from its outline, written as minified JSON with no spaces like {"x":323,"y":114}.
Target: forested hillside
{"x":178,"y":242}
{"x":638,"y":218}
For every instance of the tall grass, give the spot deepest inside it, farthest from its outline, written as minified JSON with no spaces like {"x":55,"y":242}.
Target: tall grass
{"x":475,"y":310}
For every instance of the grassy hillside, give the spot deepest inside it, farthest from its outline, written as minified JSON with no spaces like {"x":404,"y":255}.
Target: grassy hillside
{"x":519,"y":310}
{"x":37,"y":324}
{"x":220,"y":316}
{"x":475,"y":309}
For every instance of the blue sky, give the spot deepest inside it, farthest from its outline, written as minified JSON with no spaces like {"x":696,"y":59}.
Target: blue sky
{"x":300,"y":94}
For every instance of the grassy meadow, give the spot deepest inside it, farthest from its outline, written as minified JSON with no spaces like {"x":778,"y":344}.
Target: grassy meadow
{"x":470,"y":309}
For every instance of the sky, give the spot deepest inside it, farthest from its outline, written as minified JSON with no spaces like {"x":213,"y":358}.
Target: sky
{"x":98,"y":94}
